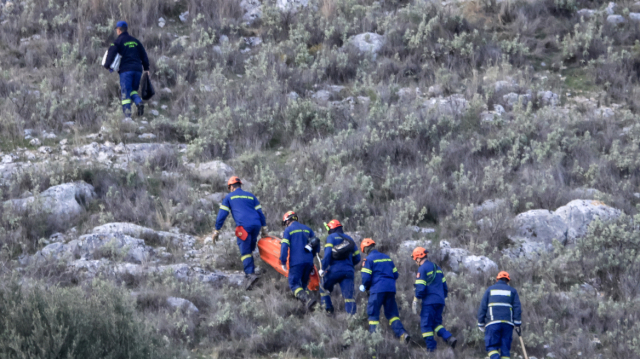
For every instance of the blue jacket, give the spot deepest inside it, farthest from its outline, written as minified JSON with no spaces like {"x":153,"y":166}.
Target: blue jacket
{"x":244,"y":207}
{"x":345,"y":265}
{"x":134,"y":57}
{"x":500,"y":304}
{"x":296,"y":237}
{"x":431,"y":286}
{"x":379,"y":274}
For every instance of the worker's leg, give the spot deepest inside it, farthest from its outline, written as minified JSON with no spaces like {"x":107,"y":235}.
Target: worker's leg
{"x":392,"y":313}
{"x":492,"y":341}
{"x":328,"y":282}
{"x":440,"y":329}
{"x":505,"y":340}
{"x":427,"y":322}
{"x":346,"y":287}
{"x":373,"y":310}
{"x":135,"y":84}
{"x":246,"y":255}
{"x":295,"y":278}
{"x":126,"y":86}
{"x":307,"y":268}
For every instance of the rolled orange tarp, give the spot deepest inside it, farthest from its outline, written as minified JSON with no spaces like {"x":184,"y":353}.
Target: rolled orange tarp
{"x":269,"y":248}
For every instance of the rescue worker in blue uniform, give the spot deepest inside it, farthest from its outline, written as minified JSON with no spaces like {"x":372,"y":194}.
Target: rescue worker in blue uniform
{"x":250,"y":223}
{"x":134,"y":60}
{"x":299,"y":245}
{"x":379,"y":276}
{"x":499,"y":312}
{"x":431,"y":288}
{"x":339,"y":271}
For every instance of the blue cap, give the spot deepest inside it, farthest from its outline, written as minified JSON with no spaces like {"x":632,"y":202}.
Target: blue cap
{"x":122,"y":24}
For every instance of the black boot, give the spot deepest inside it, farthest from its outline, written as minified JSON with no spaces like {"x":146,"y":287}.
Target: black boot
{"x":452,"y":341}
{"x":250,"y":280}
{"x":405,"y":338}
{"x":141,"y":109}
{"x":308,"y":302}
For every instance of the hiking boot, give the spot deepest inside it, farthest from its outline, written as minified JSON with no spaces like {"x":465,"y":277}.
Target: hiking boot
{"x":452,"y":341}
{"x":405,"y":338}
{"x":308,"y":302}
{"x":250,"y":280}
{"x":140,"y":109}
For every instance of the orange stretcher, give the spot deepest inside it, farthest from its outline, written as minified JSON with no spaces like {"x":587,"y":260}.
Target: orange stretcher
{"x":269,"y":248}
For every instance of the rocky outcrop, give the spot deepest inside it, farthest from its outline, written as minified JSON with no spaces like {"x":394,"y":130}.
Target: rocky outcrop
{"x":453,"y":105}
{"x":183,"y":304}
{"x":578,"y":214}
{"x":367,"y":42}
{"x":459,"y":259}
{"x":120,"y":155}
{"x":213,"y":171}
{"x":174,"y":240}
{"x":540,"y":226}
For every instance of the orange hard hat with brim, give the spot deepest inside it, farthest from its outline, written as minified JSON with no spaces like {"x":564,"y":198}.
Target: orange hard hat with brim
{"x":366,"y":243}
{"x":333,"y":224}
{"x":234,"y":180}
{"x":419,"y":253}
{"x":291,"y":215}
{"x":503,"y":275}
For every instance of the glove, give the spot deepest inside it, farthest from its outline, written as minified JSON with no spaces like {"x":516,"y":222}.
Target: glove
{"x":264,"y":231}
{"x":481,"y":328}
{"x":362,"y":289}
{"x":519,"y":330}
{"x":414,"y":306}
{"x":215,"y":235}
{"x":322,"y":273}
{"x":284,"y":268}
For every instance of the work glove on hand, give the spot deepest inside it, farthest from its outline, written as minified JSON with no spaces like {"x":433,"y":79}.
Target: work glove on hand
{"x":519,"y":330}
{"x":284,"y":267}
{"x":414,"y":306}
{"x":215,"y":235}
{"x":362,"y":289}
{"x":481,"y":328}
{"x":264,"y":231}
{"x":322,"y":273}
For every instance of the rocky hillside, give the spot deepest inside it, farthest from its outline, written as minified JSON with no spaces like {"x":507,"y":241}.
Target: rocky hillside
{"x":500,"y":134}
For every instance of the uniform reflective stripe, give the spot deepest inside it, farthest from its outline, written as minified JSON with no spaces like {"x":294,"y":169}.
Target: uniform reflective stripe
{"x":325,"y":294}
{"x":246,"y":256}
{"x":245,"y":197}
{"x":134,"y":93}
{"x":126,"y":102}
{"x":395,"y":269}
{"x":350,"y":300}
{"x":382,"y":260}
{"x":429,"y":273}
{"x":328,"y":245}
{"x":500,"y":321}
{"x":493,"y":352}
{"x":504,"y":358}
{"x":393,"y":320}
{"x":356,"y":253}
{"x":365,"y":270}
{"x":258,"y":207}
{"x":439,"y":271}
{"x":427,"y":334}
{"x":505,"y":293}
{"x":481,"y":324}
{"x":225,"y":208}
{"x":374,"y":322}
{"x":438,"y":328}
{"x":285,"y":241}
{"x":423,"y":282}
{"x":297,"y":291}
{"x":500,"y":305}
{"x":517,"y":322}
{"x":298,"y":231}
{"x":444,"y":279}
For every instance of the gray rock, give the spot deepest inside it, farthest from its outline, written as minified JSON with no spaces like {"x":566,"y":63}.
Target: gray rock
{"x":634,"y":16}
{"x":548,"y":98}
{"x":488,"y":207}
{"x":253,"y":41}
{"x":321,"y":97}
{"x":453,"y":257}
{"x":525,"y":249}
{"x":147,"y":136}
{"x":368,"y":42}
{"x":34,"y":142}
{"x":184,"y":16}
{"x":611,"y":8}
{"x":498,"y":109}
{"x":62,"y":203}
{"x":616,"y":19}
{"x":252,"y":10}
{"x":175,"y":240}
{"x":500,"y":86}
{"x":578,"y":214}
{"x":407,"y":247}
{"x":161,"y":22}
{"x":423,"y":230}
{"x":539,"y":226}
{"x":512,"y":98}
{"x":293,"y":96}
{"x":407,"y":94}
{"x":453,"y":105}
{"x":291,"y":5}
{"x":181,"y":303}
{"x":479,"y":265}
{"x":155,"y":112}
{"x":214,"y":171}
{"x":435,"y":91}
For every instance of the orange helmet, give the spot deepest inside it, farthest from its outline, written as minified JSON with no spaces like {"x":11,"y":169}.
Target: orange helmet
{"x":333,"y":224}
{"x":366,"y":243}
{"x":418,"y":253}
{"x":289,"y":216}
{"x":234,"y":180}
{"x":502,"y":275}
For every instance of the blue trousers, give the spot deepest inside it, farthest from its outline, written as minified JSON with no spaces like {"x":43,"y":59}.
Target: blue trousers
{"x":247,"y":247}
{"x":388,"y":301}
{"x":345,"y":280}
{"x":497,"y":340}
{"x":431,"y":324}
{"x":129,"y":83}
{"x":299,"y":277}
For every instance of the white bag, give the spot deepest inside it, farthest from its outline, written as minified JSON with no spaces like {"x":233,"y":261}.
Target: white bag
{"x":115,"y":65}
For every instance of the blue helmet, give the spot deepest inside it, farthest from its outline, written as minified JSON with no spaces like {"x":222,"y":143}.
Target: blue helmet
{"x":122,"y":24}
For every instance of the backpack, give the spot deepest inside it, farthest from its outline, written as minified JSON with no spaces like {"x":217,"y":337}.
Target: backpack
{"x":343,"y":250}
{"x":146,"y":88}
{"x":115,"y":65}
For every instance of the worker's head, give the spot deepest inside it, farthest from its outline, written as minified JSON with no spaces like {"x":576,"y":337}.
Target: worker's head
{"x":121,"y":27}
{"x":288,"y":218}
{"x":333,"y":225}
{"x":504,"y":276}
{"x":419,"y":255}
{"x":367,"y":245}
{"x":234,"y":183}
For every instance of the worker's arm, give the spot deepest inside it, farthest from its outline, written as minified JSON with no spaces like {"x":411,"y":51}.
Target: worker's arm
{"x":111,"y":55}
{"x":326,"y":259}
{"x":316,"y":247}
{"x":284,"y":247}
{"x":258,"y":208}
{"x":446,"y":287}
{"x":482,"y":311}
{"x":420,"y":284}
{"x":355,"y":256}
{"x":223,"y":212}
{"x":143,"y":56}
{"x":395,"y":271}
{"x":517,"y":309}
{"x":367,"y":274}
